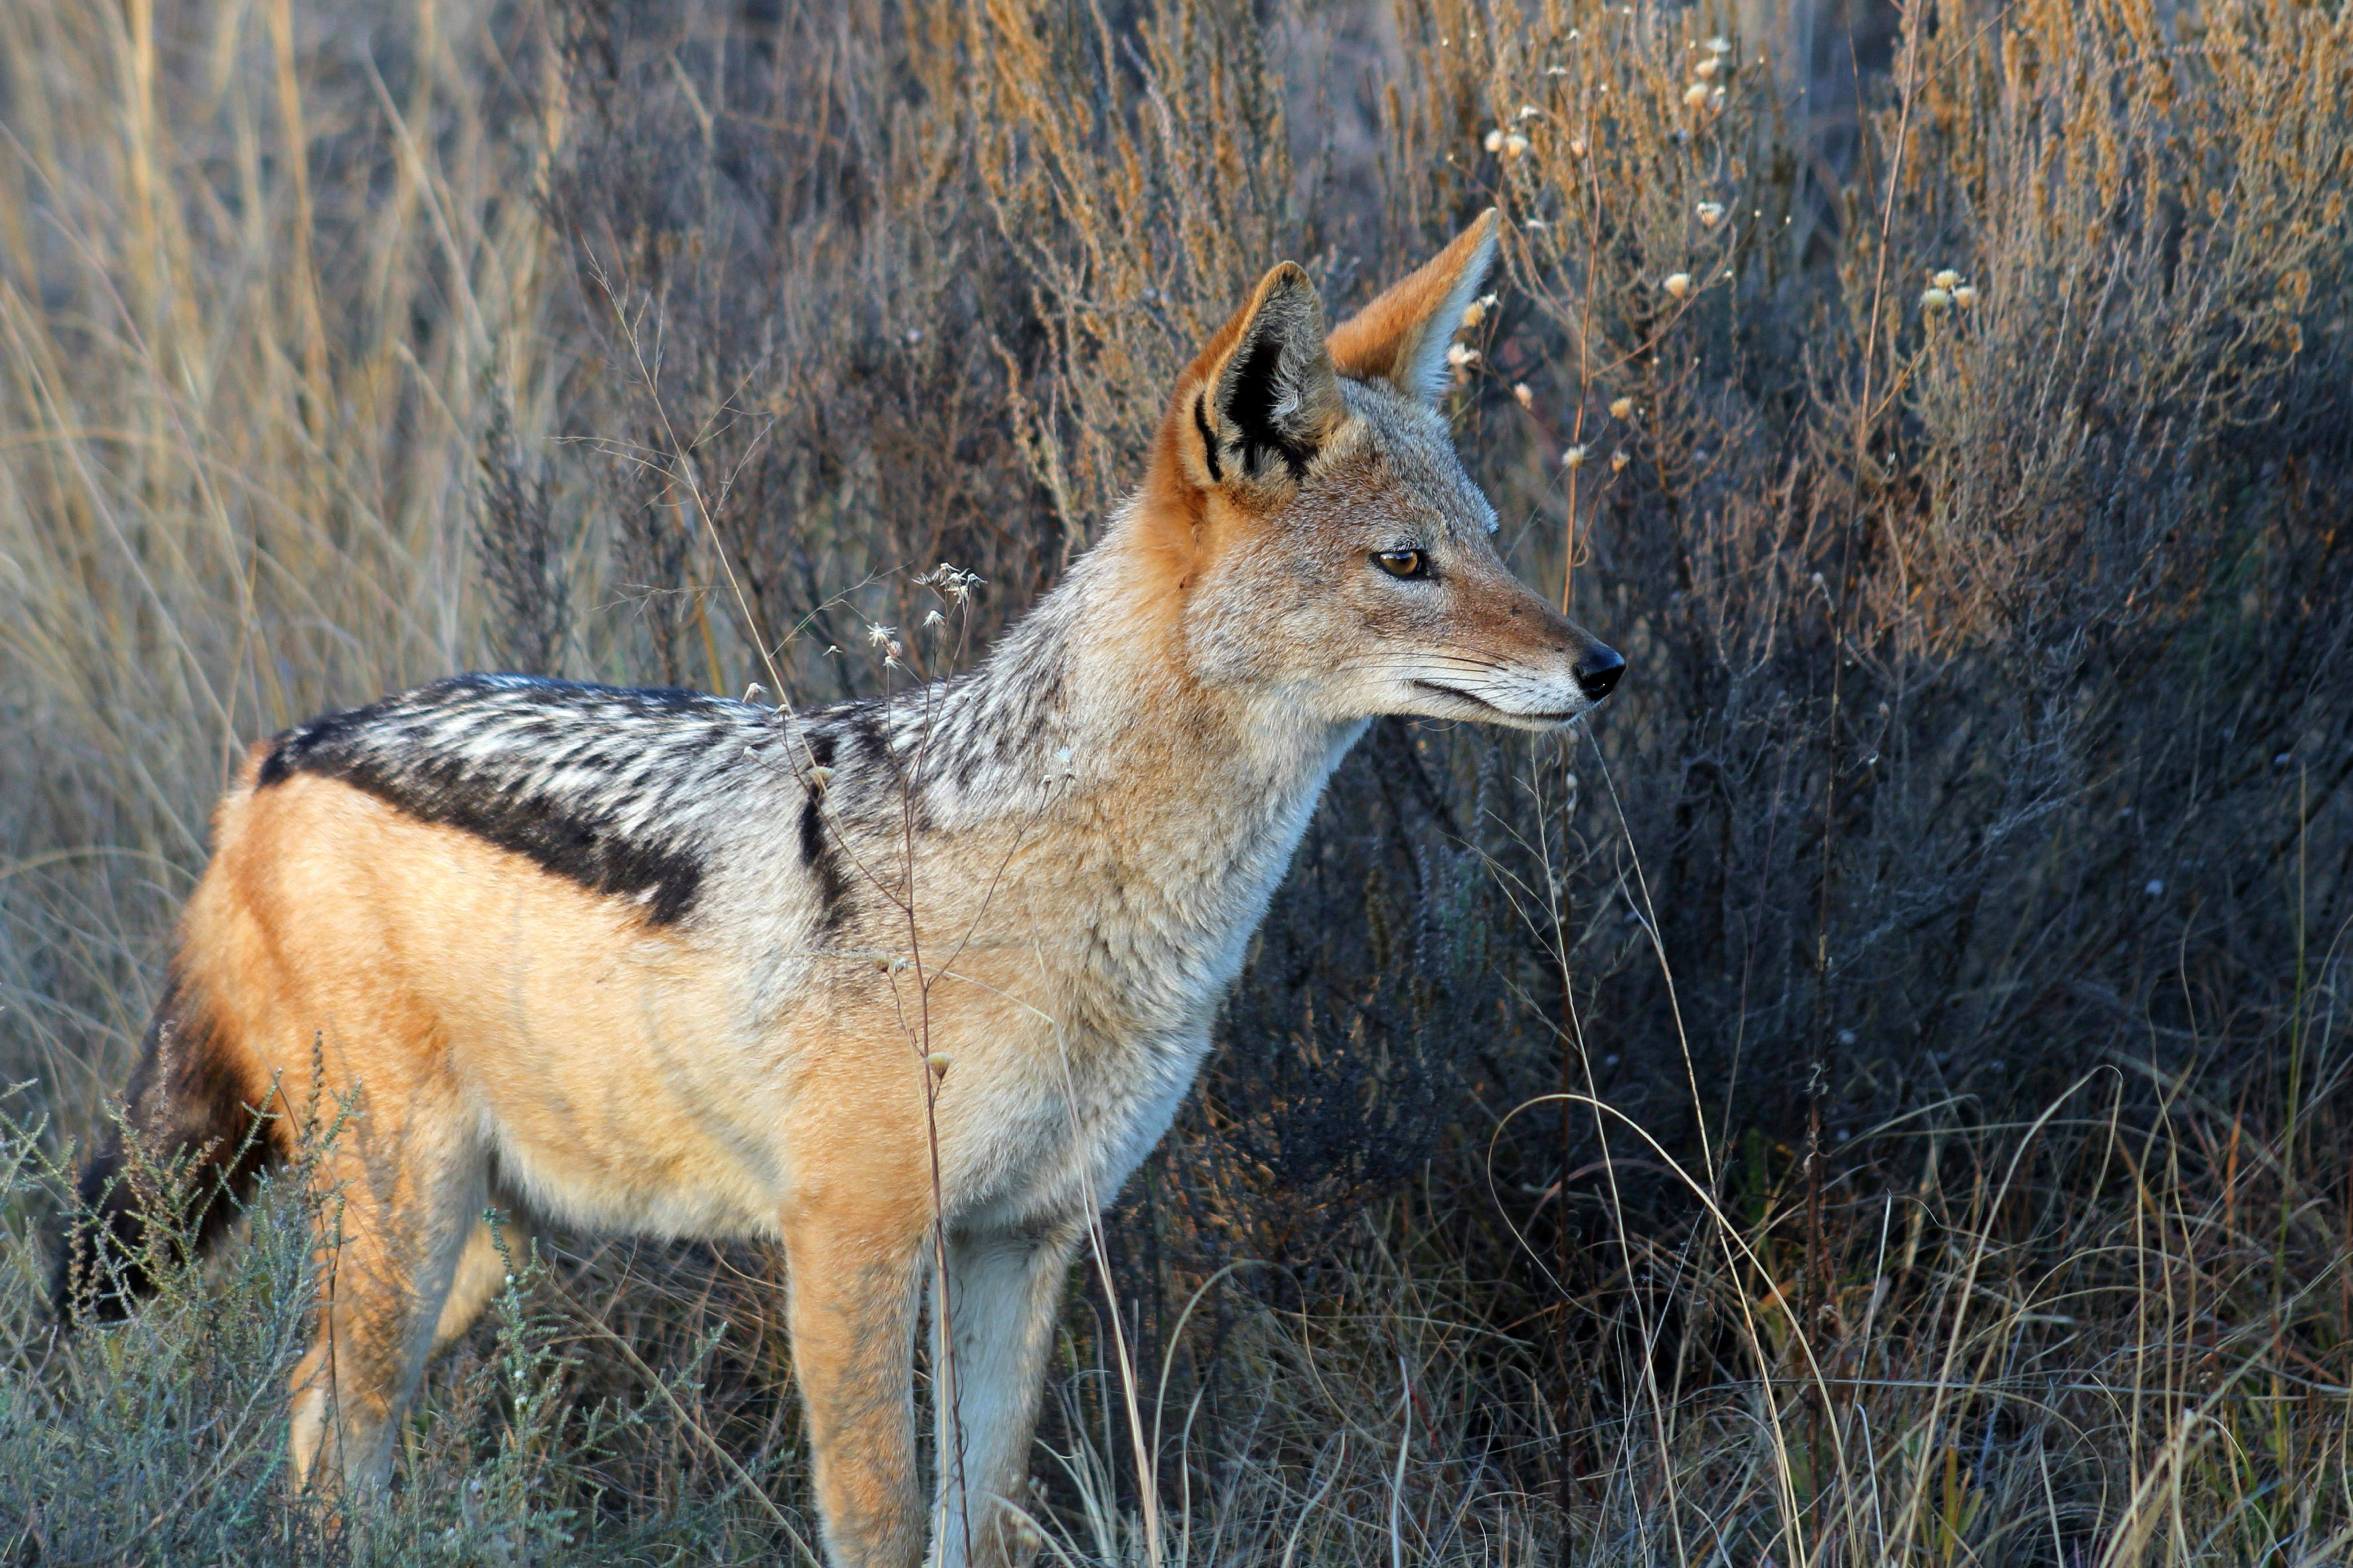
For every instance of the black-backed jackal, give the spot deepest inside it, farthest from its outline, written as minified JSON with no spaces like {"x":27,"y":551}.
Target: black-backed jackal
{"x":660,"y":962}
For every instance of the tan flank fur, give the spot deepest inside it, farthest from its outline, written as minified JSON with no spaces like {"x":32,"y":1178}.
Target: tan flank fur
{"x":663,"y":964}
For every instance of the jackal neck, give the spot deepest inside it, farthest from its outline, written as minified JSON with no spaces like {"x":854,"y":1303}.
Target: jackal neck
{"x":1089,"y":715}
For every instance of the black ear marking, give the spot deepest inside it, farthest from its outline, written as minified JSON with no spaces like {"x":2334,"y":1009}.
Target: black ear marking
{"x":1268,"y":399}
{"x":1254,"y":405}
{"x":1209,"y":439}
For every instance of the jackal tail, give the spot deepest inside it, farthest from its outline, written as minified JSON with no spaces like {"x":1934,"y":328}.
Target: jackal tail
{"x":193,"y":1138}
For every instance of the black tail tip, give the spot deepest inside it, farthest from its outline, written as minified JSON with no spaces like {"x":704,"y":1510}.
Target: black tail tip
{"x":105,"y":1255}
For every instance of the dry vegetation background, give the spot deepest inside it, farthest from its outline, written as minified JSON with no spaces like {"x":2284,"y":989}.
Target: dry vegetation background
{"x":1879,"y":1097}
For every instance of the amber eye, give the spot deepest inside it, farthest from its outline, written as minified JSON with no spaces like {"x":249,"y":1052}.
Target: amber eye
{"x":1401,"y":562}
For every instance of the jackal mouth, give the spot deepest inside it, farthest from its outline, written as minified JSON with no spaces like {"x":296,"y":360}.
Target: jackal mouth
{"x":1502,"y":713}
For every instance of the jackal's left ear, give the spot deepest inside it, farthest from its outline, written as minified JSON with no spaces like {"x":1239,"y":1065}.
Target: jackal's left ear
{"x":1402,"y":337}
{"x":1260,"y":398}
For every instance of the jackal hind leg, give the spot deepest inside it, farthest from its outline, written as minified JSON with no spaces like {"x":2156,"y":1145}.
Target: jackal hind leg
{"x":1004,"y":1288}
{"x":854,"y":1285}
{"x":402,"y":1193}
{"x":480,"y":1273}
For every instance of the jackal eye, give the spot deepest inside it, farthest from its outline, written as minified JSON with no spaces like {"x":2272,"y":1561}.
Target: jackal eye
{"x":1401,"y":562}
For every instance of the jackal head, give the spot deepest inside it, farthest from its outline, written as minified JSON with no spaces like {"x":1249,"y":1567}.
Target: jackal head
{"x":1325,"y":541}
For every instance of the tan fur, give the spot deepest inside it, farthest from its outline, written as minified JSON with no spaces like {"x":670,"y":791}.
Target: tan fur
{"x":734,"y":1076}
{"x":1408,"y":323}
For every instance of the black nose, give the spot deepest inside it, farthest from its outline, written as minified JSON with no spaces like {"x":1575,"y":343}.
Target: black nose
{"x":1598,"y":671}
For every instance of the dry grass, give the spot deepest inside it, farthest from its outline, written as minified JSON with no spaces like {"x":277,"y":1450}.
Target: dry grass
{"x":1879,"y":1100}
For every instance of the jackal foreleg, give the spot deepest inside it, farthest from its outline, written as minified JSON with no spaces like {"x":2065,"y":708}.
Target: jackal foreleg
{"x":1003,"y":1290}
{"x":855,"y":1280}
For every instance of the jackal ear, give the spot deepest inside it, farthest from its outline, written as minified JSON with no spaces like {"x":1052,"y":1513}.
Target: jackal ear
{"x":1260,"y":398}
{"x":1402,"y":337}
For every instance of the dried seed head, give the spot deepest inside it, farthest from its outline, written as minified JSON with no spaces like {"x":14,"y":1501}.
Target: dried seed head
{"x":1618,"y":459}
{"x":1719,"y":44}
{"x":1695,"y":95}
{"x":1576,"y":146}
{"x":1708,"y":67}
{"x":1461,"y":354}
{"x":1495,"y":142}
{"x":1514,"y":144}
{"x":1945,"y":278}
{"x":1474,"y":312}
{"x":1621,"y":408}
{"x":878,"y":634}
{"x":1522,"y":395}
{"x":1679,"y":284}
{"x":938,"y":1062}
{"x":1573,"y":458}
{"x":1715,"y":100}
{"x":1966,"y":295}
{"x":1529,"y":111}
{"x":1710,"y":214}
{"x":819,"y":777}
{"x":1934,"y":302}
